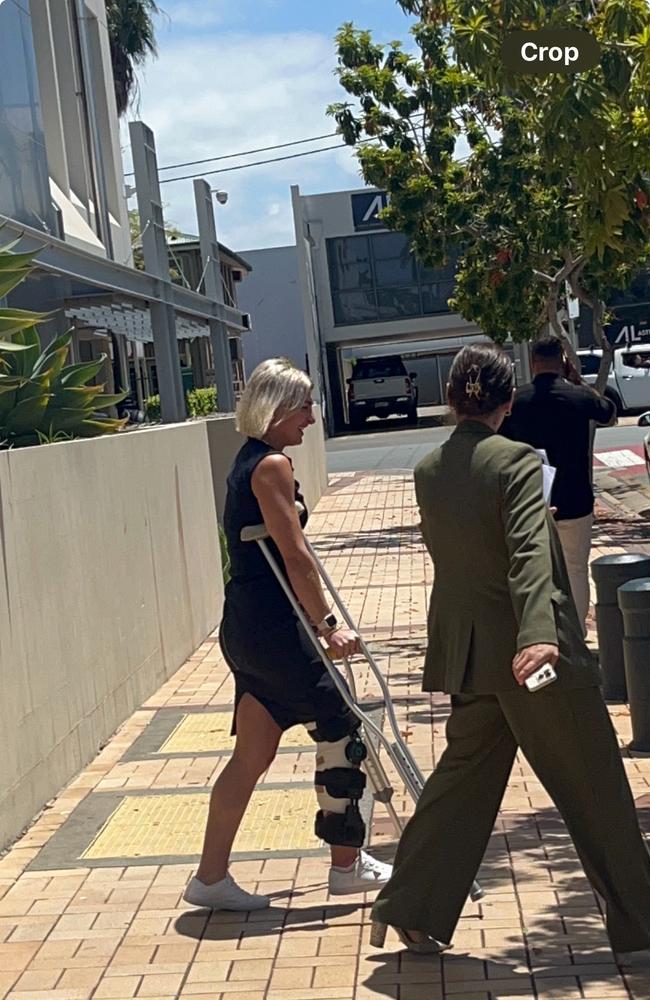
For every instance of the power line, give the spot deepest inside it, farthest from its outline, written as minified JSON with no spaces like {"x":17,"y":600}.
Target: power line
{"x":261,"y":163}
{"x":252,"y":152}
{"x":256,"y":163}
{"x":246,"y":152}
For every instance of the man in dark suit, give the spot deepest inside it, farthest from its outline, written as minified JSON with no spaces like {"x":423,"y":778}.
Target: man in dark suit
{"x":555,"y":414}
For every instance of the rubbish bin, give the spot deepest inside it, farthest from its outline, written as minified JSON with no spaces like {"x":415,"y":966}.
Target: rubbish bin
{"x":610,"y":573}
{"x":634,"y":602}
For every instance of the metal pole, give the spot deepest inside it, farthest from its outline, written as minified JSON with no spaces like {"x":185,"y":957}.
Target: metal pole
{"x":156,"y":262}
{"x":634,"y":602}
{"x":610,"y":573}
{"x":214,"y":290}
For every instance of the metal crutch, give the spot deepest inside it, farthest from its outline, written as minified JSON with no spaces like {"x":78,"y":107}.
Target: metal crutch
{"x":396,"y":749}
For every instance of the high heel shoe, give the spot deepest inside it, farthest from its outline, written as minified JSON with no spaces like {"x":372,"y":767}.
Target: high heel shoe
{"x":428,"y":946}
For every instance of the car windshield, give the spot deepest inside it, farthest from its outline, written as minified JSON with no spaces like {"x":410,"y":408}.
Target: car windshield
{"x":378,"y":368}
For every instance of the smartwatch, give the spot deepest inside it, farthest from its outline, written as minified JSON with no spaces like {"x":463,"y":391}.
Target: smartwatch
{"x":328,"y":624}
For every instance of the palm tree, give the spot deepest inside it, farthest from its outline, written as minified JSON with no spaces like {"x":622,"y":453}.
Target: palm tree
{"x":132,"y":38}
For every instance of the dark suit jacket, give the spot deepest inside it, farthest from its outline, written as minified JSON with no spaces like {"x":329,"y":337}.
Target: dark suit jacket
{"x":500,"y":578}
{"x":556,"y":415}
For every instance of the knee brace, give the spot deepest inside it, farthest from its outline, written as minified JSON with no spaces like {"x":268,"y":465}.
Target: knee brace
{"x":340,"y":785}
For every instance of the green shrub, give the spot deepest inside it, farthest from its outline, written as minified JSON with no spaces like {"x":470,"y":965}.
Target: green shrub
{"x":42,"y":399}
{"x":152,"y":409}
{"x":200,"y":403}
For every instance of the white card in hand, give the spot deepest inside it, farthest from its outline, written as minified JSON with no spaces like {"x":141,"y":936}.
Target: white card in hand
{"x":548,"y":475}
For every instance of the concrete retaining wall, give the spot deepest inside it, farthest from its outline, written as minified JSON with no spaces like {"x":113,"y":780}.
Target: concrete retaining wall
{"x":110,"y":577}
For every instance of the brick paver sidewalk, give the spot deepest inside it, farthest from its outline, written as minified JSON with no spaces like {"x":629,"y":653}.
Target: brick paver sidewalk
{"x":90,"y":897}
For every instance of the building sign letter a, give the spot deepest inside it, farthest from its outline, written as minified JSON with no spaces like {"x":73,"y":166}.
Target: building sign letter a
{"x":373,"y":210}
{"x":366,"y":207}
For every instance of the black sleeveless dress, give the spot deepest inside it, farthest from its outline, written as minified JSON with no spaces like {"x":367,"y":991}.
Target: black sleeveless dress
{"x":261,"y":638}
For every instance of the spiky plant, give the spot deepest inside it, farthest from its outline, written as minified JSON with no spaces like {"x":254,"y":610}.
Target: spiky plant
{"x":41,"y":398}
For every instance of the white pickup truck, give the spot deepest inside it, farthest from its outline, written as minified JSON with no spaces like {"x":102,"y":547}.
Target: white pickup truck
{"x":628,"y":384}
{"x":381,"y":387}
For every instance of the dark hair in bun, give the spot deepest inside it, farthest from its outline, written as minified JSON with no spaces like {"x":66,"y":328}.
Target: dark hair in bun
{"x":480,"y":381}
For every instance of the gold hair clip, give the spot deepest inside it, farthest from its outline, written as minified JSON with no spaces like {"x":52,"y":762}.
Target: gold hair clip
{"x":473,"y":386}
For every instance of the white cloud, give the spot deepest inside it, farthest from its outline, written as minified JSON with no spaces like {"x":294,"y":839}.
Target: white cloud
{"x":195,"y":14}
{"x":218,"y":93}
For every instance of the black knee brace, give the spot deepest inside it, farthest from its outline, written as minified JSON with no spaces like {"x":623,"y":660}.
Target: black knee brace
{"x":341,"y":829}
{"x":340,"y":784}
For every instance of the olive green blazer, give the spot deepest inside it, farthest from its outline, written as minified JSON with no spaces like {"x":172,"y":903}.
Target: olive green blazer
{"x":500,"y":579}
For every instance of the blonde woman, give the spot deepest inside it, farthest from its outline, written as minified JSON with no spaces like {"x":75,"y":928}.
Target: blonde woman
{"x":279,"y":680}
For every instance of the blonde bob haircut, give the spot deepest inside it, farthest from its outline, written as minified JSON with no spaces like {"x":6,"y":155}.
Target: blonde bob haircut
{"x":276,"y":388}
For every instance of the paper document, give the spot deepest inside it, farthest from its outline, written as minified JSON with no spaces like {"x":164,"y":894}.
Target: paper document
{"x":548,"y":474}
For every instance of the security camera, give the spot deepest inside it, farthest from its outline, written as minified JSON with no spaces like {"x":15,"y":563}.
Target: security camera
{"x":221,"y":196}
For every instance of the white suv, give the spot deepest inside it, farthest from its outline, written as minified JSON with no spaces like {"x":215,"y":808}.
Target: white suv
{"x":628,"y":383}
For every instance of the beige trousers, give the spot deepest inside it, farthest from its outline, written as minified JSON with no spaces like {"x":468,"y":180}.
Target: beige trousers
{"x":575,"y":536}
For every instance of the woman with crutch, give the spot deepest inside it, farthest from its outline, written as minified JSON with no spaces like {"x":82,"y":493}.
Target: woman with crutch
{"x":279,"y":679}
{"x":502,"y":615}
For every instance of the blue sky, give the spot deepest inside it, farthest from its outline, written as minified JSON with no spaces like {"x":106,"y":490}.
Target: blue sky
{"x":239,"y":74}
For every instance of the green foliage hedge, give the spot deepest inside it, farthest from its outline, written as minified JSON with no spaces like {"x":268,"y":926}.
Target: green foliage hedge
{"x":200,"y":403}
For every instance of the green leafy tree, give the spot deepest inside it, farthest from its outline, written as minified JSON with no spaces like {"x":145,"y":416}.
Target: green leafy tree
{"x":554,"y":188}
{"x":171,"y":232}
{"x":132,"y":40}
{"x":41,"y":398}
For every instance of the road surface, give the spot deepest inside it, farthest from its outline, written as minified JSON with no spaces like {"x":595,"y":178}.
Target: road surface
{"x":387,"y":445}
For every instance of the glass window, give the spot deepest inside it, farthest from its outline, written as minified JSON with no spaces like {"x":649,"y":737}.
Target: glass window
{"x":395,"y":302}
{"x":24,"y":184}
{"x":349,"y":263}
{"x":589,"y":363}
{"x":398,"y":271}
{"x":394,"y":262}
{"x":379,"y":367}
{"x":376,"y":277}
{"x":386,"y":246}
{"x":636,"y":359}
{"x":85,"y":351}
{"x":354,"y":307}
{"x":435,"y":297}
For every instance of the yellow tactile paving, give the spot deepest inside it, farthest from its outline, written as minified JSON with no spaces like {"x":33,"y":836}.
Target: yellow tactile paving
{"x":201,"y":732}
{"x":172,"y":825}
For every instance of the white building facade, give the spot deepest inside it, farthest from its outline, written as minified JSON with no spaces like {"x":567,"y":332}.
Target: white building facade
{"x":365,"y":294}
{"x":62,"y":194}
{"x":60,"y":159}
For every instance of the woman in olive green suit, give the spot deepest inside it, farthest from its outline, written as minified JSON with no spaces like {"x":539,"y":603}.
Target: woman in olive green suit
{"x":500,"y":609}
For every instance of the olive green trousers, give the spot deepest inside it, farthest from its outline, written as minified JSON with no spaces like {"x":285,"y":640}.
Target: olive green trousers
{"x":569,"y":741}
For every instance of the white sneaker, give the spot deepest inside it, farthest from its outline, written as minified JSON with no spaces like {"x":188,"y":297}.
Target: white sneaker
{"x":224,"y":895}
{"x":366,"y":875}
